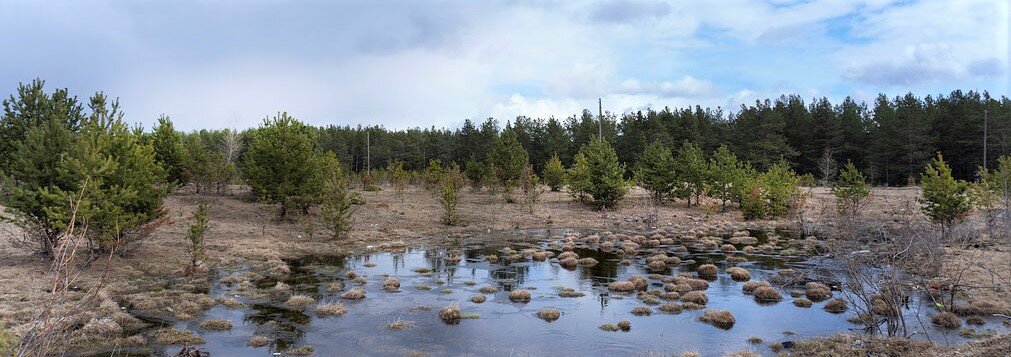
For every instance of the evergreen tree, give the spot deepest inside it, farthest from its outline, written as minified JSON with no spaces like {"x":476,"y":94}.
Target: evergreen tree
{"x":449,"y":195}
{"x":578,"y":178}
{"x":168,"y":150}
{"x":944,"y":199}
{"x":508,"y":157}
{"x":726,"y":174}
{"x":337,"y":199}
{"x":195,"y":234}
{"x":279,"y":163}
{"x":600,"y":174}
{"x":554,"y":173}
{"x":693,"y":169}
{"x":850,"y":190}
{"x":111,"y":175}
{"x":655,"y":171}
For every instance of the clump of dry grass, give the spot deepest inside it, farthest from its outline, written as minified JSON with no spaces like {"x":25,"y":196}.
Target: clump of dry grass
{"x":588,"y":262}
{"x":975,"y":320}
{"x":549,"y":314}
{"x":230,"y":302}
{"x":398,"y":324}
{"x":641,"y":283}
{"x":836,"y":306}
{"x":624,"y":325}
{"x":539,"y":256}
{"x":621,"y":286}
{"x":302,"y":351}
{"x":299,"y":302}
{"x":258,"y":341}
{"x":522,"y":296}
{"x":980,"y":307}
{"x":946,"y":320}
{"x":755,"y":340}
{"x":391,"y":284}
{"x":488,"y":289}
{"x":728,"y":248}
{"x":102,"y":327}
{"x":477,"y":299}
{"x":281,"y":287}
{"x":739,"y":274}
{"x":816,"y":291}
{"x":767,"y":294}
{"x":422,"y":270}
{"x":802,"y":302}
{"x":334,"y":309}
{"x":671,"y":307}
{"x":719,"y":318}
{"x":609,"y":327}
{"x":350,"y":274}
{"x":751,"y":286}
{"x":642,"y":311}
{"x":656,"y":266}
{"x":450,"y":314}
{"x":424,"y":287}
{"x":216,"y":325}
{"x":335,"y":286}
{"x":568,"y":262}
{"x":171,"y":336}
{"x":354,"y":294}
{"x":696,"y":297}
{"x":568,"y":254}
{"x":736,"y":259}
{"x":570,"y":293}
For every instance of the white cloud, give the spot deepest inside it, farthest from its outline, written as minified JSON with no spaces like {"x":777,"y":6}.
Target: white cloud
{"x":686,"y":87}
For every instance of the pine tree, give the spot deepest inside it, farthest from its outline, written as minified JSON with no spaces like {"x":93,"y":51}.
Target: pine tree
{"x":337,"y":201}
{"x":530,"y":186}
{"x":599,"y":174}
{"x":195,"y":234}
{"x":113,"y":177}
{"x":477,"y":173}
{"x":449,"y":195}
{"x":168,"y":150}
{"x":279,"y":163}
{"x":726,"y":175}
{"x":693,"y":169}
{"x":554,"y":173}
{"x":850,"y":190}
{"x":655,"y":171}
{"x":508,"y":157}
{"x":944,"y":199}
{"x":578,"y":178}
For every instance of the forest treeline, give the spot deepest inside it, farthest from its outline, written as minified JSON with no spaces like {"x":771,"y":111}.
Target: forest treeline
{"x":890,"y":140}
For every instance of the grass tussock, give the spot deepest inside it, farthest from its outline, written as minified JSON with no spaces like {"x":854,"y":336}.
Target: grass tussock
{"x":216,"y":325}
{"x":568,"y":262}
{"x":333,"y":309}
{"x":450,"y":314}
{"x":299,"y":302}
{"x":549,"y":314}
{"x":391,"y":284}
{"x":423,"y":287}
{"x":172,"y":336}
{"x":570,"y":293}
{"x":708,"y":270}
{"x":609,"y":327}
{"x":258,"y":341}
{"x":230,"y":302}
{"x":946,"y":320}
{"x":335,"y":286}
{"x":767,"y":294}
{"x":817,"y":291}
{"x":354,"y":294}
{"x":979,"y":308}
{"x":836,"y":306}
{"x":478,"y":299}
{"x":696,"y":297}
{"x":671,"y":308}
{"x":642,"y":311}
{"x":624,"y":325}
{"x":521,"y":296}
{"x":621,"y":286}
{"x":719,"y":318}
{"x":641,"y":283}
{"x":588,"y":262}
{"x":751,"y":286}
{"x":488,"y":289}
{"x":739,"y":274}
{"x":302,"y":351}
{"x":802,"y":302}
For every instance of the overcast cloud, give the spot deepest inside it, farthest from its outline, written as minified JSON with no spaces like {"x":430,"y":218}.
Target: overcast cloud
{"x":218,"y":64}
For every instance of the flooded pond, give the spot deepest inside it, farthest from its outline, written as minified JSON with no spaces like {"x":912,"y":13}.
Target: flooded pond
{"x":453,"y":271}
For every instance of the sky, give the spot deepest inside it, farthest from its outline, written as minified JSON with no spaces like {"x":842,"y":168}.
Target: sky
{"x":405,"y":64}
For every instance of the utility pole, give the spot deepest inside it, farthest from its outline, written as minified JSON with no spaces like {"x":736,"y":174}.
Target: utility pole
{"x":600,"y":119}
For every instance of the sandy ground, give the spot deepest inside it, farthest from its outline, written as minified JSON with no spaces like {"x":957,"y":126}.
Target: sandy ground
{"x":245,"y":232}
